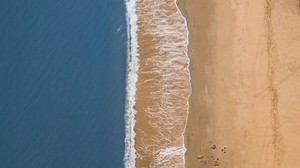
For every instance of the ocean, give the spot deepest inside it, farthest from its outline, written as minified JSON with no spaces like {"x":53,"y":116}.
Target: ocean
{"x":62,"y":83}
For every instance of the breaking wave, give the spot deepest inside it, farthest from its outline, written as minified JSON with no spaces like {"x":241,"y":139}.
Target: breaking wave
{"x":132,"y":77}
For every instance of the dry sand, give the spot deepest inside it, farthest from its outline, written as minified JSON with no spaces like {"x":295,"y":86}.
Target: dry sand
{"x":245,"y":69}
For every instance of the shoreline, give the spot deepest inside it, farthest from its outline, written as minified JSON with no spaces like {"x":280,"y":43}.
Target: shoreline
{"x":244,"y":108}
{"x":189,"y":75}
{"x":131,"y":80}
{"x":163,"y":85}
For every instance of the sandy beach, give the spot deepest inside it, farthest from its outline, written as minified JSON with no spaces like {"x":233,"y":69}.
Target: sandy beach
{"x":245,"y":102}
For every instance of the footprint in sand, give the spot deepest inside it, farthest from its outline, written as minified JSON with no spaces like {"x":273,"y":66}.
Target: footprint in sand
{"x":217,"y":163}
{"x":202,"y":159}
{"x":223,"y":149}
{"x":213,"y":147}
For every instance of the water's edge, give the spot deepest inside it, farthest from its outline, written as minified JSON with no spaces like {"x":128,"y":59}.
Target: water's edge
{"x":189,"y":74}
{"x":132,"y":77}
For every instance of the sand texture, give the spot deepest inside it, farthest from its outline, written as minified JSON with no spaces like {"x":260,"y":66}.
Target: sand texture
{"x":245,"y":72}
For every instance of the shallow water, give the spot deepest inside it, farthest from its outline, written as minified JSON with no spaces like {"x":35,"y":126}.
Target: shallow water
{"x":163,"y":85}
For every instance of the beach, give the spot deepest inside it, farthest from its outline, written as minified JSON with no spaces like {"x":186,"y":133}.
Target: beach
{"x":244,"y":110}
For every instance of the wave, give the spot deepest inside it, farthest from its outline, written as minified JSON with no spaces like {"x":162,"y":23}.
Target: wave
{"x":132,"y":77}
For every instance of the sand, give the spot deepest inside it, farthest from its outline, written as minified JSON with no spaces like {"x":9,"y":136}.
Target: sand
{"x":245,"y":71}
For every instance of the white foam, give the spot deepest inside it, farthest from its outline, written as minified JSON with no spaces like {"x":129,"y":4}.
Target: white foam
{"x":132,"y":77}
{"x":171,"y":64}
{"x":166,"y":68}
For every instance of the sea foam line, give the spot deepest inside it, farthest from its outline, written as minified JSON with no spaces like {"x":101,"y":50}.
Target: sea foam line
{"x":132,"y":77}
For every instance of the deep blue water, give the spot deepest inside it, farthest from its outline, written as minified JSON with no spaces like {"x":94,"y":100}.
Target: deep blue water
{"x":62,"y":83}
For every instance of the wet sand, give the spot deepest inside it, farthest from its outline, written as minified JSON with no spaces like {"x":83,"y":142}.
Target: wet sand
{"x":245,"y":71}
{"x":163,"y":85}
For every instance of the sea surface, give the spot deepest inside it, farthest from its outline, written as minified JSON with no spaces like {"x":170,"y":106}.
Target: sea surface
{"x":62,"y":83}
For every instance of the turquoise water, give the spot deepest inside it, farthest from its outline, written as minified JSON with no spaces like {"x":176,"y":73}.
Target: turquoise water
{"x":62,"y":83}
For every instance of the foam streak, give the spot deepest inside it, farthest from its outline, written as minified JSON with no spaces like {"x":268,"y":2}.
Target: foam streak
{"x":132,"y":77}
